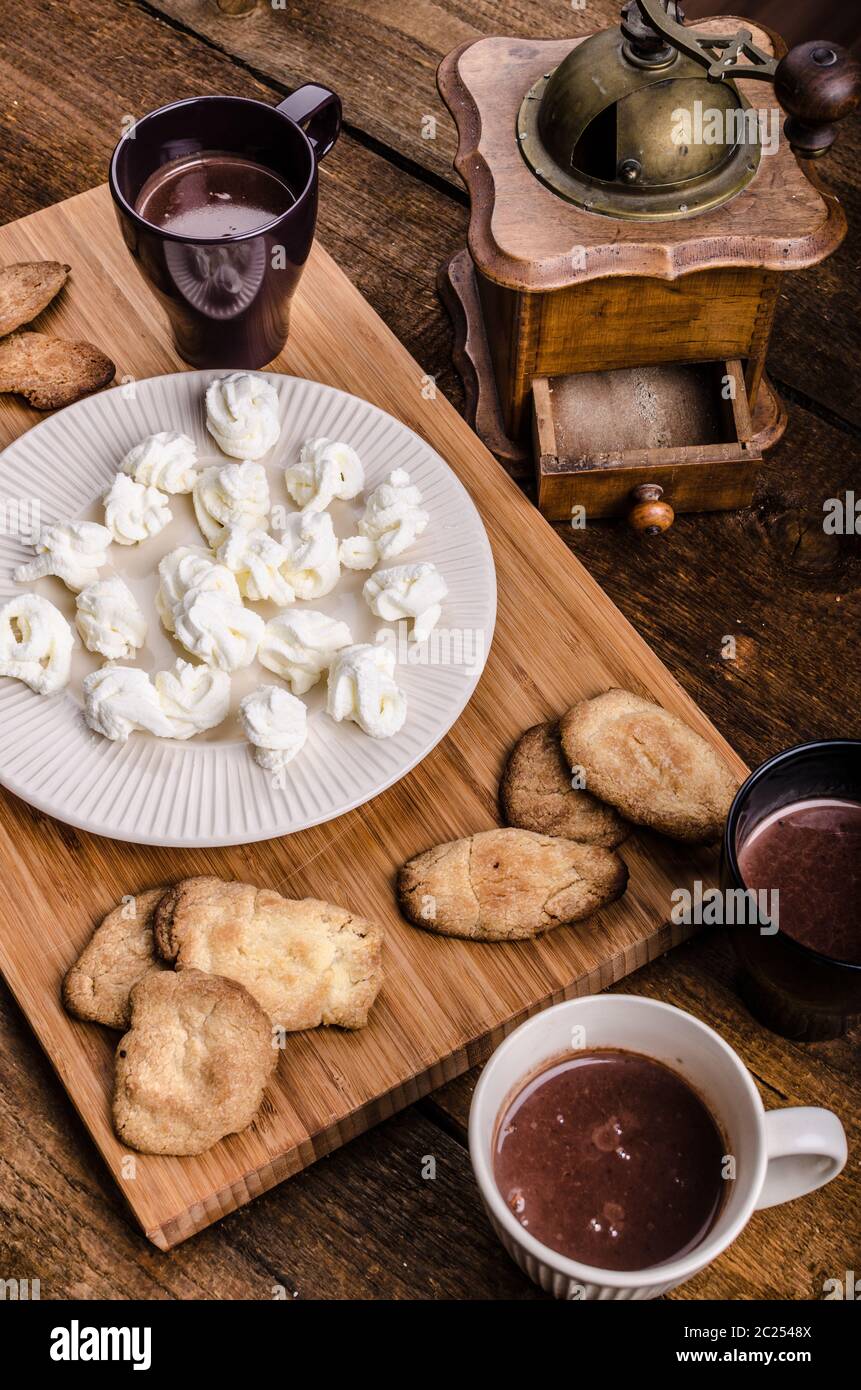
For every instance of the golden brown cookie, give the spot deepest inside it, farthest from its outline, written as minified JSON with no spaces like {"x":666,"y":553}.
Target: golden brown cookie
{"x":26,"y":288}
{"x":306,"y":962}
{"x":649,"y":765}
{"x":536,"y":794}
{"x":193,"y":1065}
{"x":506,"y":885}
{"x":49,"y":372}
{"x":118,"y":955}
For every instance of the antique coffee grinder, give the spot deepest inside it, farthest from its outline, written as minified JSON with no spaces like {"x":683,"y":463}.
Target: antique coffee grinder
{"x":636,"y":199}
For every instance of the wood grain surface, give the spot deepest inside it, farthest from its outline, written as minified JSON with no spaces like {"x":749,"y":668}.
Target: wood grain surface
{"x":445,"y":1003}
{"x":523,"y":235}
{"x":391,"y":209}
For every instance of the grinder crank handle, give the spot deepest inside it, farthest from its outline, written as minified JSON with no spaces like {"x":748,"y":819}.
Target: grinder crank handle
{"x":817,"y":84}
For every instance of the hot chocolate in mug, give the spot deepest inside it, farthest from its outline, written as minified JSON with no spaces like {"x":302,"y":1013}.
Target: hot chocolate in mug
{"x":216,"y":199}
{"x":777,"y":1155}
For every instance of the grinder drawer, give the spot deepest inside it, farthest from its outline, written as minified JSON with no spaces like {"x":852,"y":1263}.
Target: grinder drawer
{"x":681,"y":435}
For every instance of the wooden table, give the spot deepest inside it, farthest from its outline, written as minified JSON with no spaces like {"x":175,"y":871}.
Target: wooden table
{"x":367,"y":1223}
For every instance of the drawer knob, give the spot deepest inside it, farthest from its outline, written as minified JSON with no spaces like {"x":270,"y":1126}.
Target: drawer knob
{"x":648,"y":514}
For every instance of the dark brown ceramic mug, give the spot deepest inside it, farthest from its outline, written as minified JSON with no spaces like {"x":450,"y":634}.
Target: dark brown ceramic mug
{"x":799,"y":992}
{"x":228,"y":300}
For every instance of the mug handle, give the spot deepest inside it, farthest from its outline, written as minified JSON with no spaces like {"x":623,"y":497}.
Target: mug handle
{"x":318,"y":112}
{"x":806,"y":1148}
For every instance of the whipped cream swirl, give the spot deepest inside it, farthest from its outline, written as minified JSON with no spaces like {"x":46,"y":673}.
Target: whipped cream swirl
{"x":199,"y":602}
{"x":362,"y":688}
{"x":300,"y":645}
{"x":134,"y":512}
{"x":194,"y":698}
{"x":327,"y":469}
{"x":121,"y":699}
{"x":110,"y":620}
{"x":186,"y":569}
{"x":165,"y":461}
{"x":220,"y":631}
{"x":408,"y":591}
{"x":258,"y":561}
{"x":242,"y":415}
{"x":35,"y":644}
{"x":231,"y":494}
{"x":312,"y":567}
{"x":393,"y":520}
{"x":74,"y":551}
{"x":275,"y":724}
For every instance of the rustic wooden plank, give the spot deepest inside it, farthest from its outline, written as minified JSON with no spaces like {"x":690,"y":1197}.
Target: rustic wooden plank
{"x":446,"y":1002}
{"x":789,"y":1251}
{"x":796,"y":20}
{"x":372,"y":1223}
{"x":770,"y":578}
{"x":383,"y":58}
{"x":816,"y":343}
{"x":380,"y":58}
{"x":375,"y":1226}
{"x":389,"y":231}
{"x":671,"y":596}
{"x":390,"y":242}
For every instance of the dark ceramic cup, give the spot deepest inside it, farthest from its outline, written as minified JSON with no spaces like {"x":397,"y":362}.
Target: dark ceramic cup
{"x":228,"y":301}
{"x":791,"y":988}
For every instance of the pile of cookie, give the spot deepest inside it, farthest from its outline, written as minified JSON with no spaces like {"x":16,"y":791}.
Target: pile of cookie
{"x":207,"y":977}
{"x":571,"y":792}
{"x":48,"y":372}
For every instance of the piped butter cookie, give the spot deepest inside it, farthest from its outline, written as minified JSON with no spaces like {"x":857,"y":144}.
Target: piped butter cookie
{"x":119,"y":954}
{"x":508,"y":885}
{"x":194,"y":1064}
{"x":26,"y":288}
{"x":50,"y":372}
{"x":306,"y":962}
{"x":648,"y":764}
{"x":537,"y":794}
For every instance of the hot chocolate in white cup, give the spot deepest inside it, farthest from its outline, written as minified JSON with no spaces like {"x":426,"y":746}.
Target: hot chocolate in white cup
{"x":778,"y":1155}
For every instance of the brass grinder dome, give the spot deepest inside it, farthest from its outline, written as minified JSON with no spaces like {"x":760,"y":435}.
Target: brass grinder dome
{"x":600,"y":129}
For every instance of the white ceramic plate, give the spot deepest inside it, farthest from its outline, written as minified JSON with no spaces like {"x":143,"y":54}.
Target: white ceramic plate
{"x":209,"y":791}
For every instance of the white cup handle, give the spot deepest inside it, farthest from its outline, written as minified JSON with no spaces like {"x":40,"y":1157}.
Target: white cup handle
{"x":806,"y":1148}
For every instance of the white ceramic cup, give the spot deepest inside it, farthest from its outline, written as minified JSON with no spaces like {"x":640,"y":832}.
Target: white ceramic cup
{"x":779,"y":1155}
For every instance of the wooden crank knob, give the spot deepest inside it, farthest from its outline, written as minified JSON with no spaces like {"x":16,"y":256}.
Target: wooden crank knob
{"x":817,"y":84}
{"x":648,"y":514}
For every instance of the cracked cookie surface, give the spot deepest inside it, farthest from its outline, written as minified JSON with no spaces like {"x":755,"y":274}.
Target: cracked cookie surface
{"x":50,"y":372}
{"x":508,"y":885}
{"x":26,"y":288}
{"x":305,"y":961}
{"x":537,"y":794}
{"x":120,"y":952}
{"x":650,"y":765}
{"x":194,"y":1064}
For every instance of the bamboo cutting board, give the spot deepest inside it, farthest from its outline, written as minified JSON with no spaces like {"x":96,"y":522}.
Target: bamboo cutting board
{"x":445,"y":1003}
